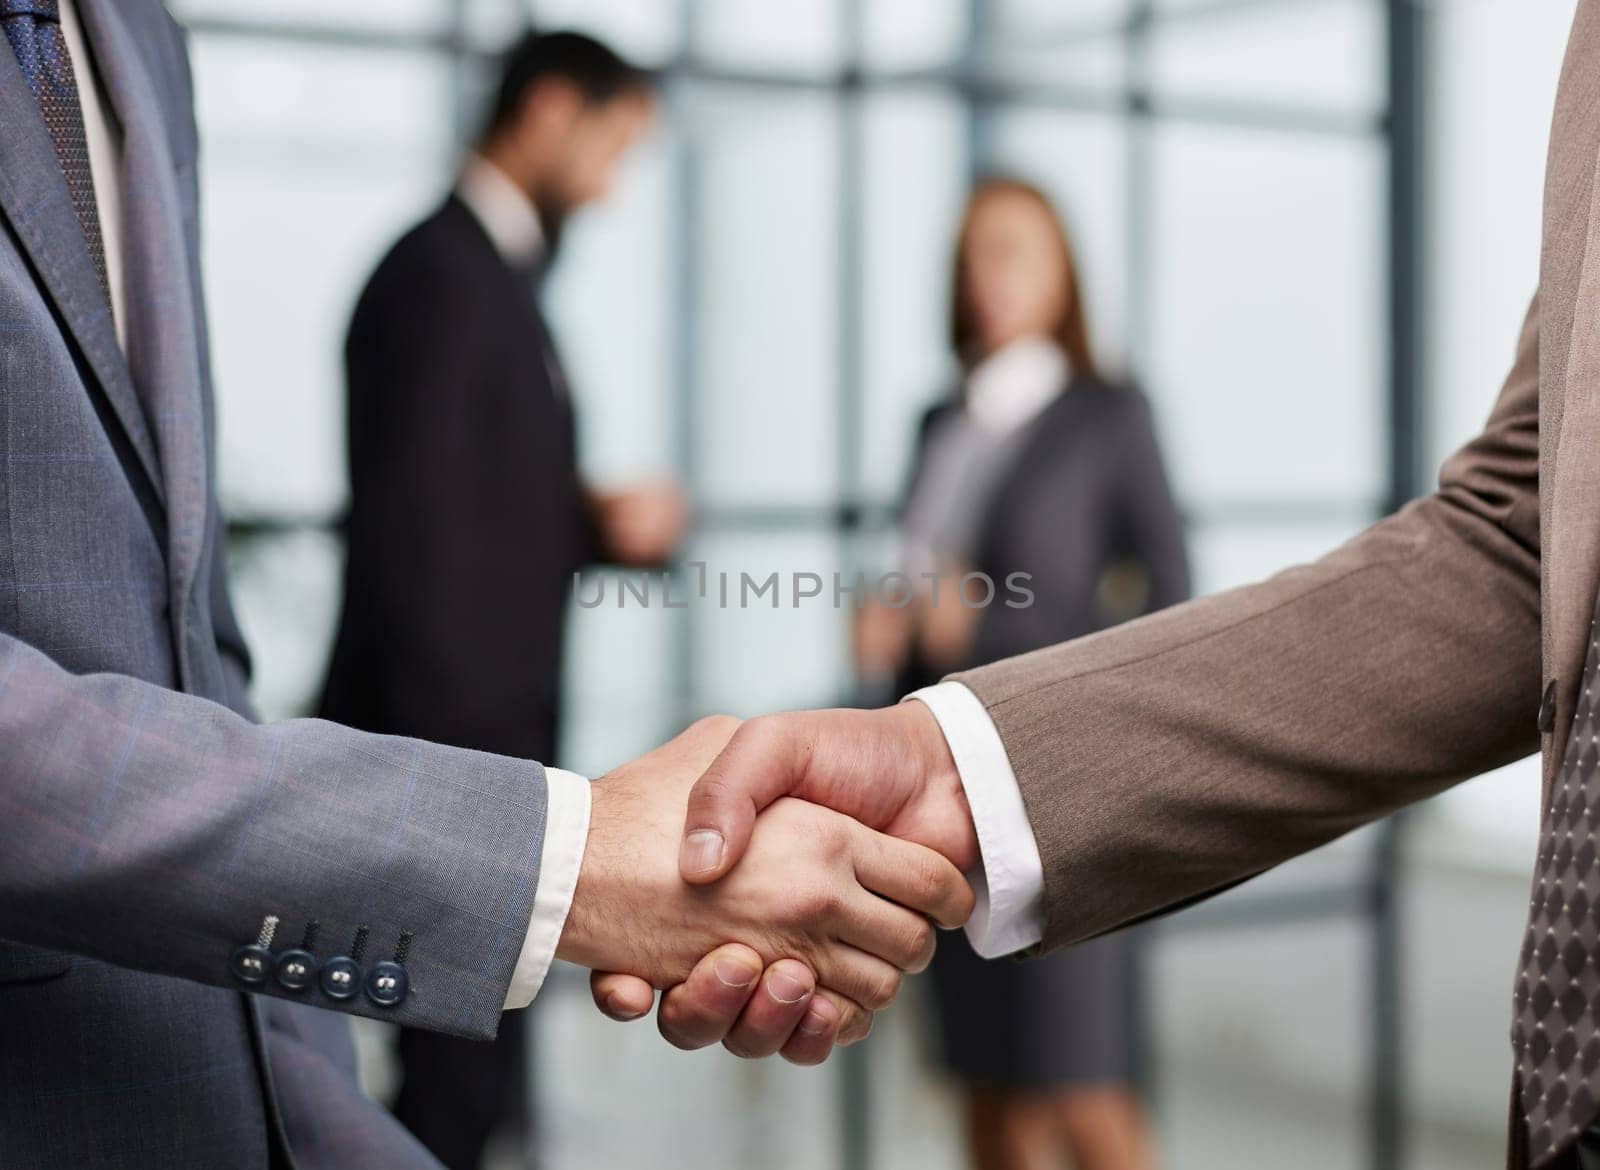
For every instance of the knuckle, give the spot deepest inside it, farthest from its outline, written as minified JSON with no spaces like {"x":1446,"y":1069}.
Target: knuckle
{"x":856,"y":1027}
{"x":712,"y":798}
{"x":764,"y":736}
{"x":879,"y":989}
{"x":672,"y":1026}
{"x":754,"y":732}
{"x":841,"y":834}
{"x":755,"y":1040}
{"x":711,"y":725}
{"x":805,"y":1054}
{"x":813,"y":904}
{"x":834,"y":841}
{"x":966,"y":900}
{"x":712,"y":788}
{"x":808,"y":1050}
{"x":932,"y":879}
{"x":621,"y":997}
{"x":836,"y":903}
{"x":919,"y":945}
{"x":685,"y":1022}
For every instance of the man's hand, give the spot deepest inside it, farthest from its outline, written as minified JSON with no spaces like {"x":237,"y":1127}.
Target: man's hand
{"x":849,"y":904}
{"x":889,"y":769}
{"x":728,"y":999}
{"x":642,"y":525}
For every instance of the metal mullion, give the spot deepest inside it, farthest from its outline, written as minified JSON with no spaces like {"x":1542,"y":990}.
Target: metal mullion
{"x":1197,"y":13}
{"x":978,"y":89}
{"x":1277,"y":117}
{"x":854,"y":1082}
{"x":444,"y":40}
{"x":1245,"y":511}
{"x":686,"y":293}
{"x":864,"y":515}
{"x":1138,"y":197}
{"x":448,"y":38}
{"x":979,"y":106}
{"x":1139,"y":185}
{"x":460,"y":67}
{"x":1406,"y":62}
{"x":1073,"y":33}
{"x":989,"y":90}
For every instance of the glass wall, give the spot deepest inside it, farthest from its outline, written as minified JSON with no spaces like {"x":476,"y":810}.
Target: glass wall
{"x":761,"y":310}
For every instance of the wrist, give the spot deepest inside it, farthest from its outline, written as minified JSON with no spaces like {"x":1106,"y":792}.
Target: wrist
{"x":942,"y":787}
{"x":582,"y":936}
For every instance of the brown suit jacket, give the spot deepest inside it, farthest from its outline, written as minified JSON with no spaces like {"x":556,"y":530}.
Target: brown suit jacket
{"x":1166,"y":760}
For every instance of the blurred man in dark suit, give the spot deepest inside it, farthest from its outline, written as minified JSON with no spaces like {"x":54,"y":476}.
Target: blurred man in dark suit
{"x":468,"y":513}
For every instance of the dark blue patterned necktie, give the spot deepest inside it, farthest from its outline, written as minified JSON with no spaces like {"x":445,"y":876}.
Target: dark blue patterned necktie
{"x":34,"y":29}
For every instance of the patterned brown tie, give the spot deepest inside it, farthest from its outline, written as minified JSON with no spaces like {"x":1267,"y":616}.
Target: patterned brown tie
{"x":34,"y":29}
{"x":1555,"y":1033}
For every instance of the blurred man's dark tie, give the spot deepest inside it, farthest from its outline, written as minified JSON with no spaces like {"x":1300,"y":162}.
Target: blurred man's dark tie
{"x":34,"y":29}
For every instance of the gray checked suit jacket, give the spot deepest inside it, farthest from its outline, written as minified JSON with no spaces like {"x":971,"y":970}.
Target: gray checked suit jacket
{"x":147,"y":823}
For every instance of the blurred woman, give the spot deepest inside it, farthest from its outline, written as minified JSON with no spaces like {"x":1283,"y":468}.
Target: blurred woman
{"x":1038,"y":465}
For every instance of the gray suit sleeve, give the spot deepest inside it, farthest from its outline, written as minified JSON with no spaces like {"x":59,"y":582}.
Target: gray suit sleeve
{"x":232,"y":649}
{"x":156,"y":831}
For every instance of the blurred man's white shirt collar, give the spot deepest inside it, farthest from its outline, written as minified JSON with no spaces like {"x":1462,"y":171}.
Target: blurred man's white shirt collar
{"x":503,"y":208}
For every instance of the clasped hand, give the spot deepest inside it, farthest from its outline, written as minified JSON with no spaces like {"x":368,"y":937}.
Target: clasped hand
{"x":776,"y":878}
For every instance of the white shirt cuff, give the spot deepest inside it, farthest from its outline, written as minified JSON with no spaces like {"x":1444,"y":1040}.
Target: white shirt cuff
{"x":566,"y":831}
{"x":1009,"y":884}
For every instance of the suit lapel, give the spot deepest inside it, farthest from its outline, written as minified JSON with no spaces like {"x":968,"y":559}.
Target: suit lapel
{"x":34,"y":199}
{"x":163,"y":330}
{"x":1040,"y":447}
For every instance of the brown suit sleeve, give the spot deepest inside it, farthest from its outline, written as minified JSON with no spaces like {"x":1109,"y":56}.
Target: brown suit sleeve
{"x":1170,"y":758}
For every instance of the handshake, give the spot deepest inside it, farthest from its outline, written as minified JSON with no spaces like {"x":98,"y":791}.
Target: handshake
{"x":776,"y":878}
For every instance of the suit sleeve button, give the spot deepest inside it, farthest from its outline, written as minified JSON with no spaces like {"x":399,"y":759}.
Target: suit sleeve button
{"x":387,"y":983}
{"x":251,"y":963}
{"x":341,"y":978}
{"x":297,"y":969}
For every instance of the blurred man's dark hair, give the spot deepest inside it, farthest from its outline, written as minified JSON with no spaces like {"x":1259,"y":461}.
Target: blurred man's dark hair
{"x":598,"y":72}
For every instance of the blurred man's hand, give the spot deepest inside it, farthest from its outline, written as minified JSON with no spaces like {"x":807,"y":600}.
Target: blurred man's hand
{"x":643,"y":524}
{"x":947,"y":625}
{"x":880,"y":638}
{"x":816,"y":892}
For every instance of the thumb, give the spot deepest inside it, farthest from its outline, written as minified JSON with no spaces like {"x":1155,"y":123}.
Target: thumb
{"x":622,"y":997}
{"x":764,"y":760}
